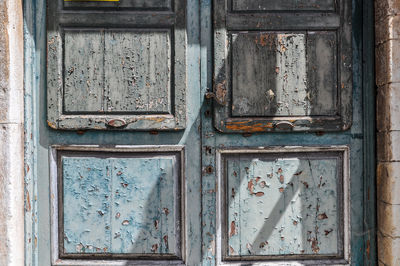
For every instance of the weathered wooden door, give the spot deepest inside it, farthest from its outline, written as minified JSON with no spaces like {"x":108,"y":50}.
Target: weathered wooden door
{"x":192,"y":132}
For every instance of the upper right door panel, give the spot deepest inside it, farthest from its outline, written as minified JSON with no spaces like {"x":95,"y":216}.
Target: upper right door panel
{"x":282,"y":65}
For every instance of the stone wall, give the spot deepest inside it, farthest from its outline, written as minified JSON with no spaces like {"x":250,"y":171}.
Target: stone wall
{"x":11,"y":134}
{"x":387,"y":50}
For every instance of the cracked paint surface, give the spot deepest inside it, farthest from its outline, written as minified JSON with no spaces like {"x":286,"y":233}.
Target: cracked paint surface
{"x":120,"y":205}
{"x":284,"y":206}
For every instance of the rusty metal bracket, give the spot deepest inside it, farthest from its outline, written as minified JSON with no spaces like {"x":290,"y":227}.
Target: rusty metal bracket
{"x":116,"y":123}
{"x":212,"y":95}
{"x":284,"y":125}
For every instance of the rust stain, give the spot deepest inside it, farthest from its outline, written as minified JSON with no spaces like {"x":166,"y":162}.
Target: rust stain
{"x":220,"y":92}
{"x":322,"y":216}
{"x":233,"y":229}
{"x":246,"y":126}
{"x":156,"y":119}
{"x":258,"y":179}
{"x":233,"y":192}
{"x":166,"y":211}
{"x":263,"y":184}
{"x":154,"y":248}
{"x":125,"y":222}
{"x":259,"y":194}
{"x":327,"y":232}
{"x":28,"y":202}
{"x":156,"y":224}
{"x":263,"y":244}
{"x":281,"y":179}
{"x":50,"y":124}
{"x":250,"y":186}
{"x":314,"y":245}
{"x":265,"y":39}
{"x":281,"y":189}
{"x":231,"y":250}
{"x":166,"y":241}
{"x":368,"y":249}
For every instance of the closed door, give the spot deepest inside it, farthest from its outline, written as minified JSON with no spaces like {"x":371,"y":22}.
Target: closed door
{"x":200,"y":133}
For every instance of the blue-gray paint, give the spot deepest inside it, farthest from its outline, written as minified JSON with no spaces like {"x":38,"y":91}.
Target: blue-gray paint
{"x":43,"y":136}
{"x":121,"y":205}
{"x":283,"y":206}
{"x":39,"y":137}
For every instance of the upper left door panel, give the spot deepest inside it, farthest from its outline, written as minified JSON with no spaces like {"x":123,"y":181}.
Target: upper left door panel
{"x":116,"y":64}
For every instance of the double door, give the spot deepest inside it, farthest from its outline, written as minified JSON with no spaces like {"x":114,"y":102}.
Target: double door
{"x":218,"y":132}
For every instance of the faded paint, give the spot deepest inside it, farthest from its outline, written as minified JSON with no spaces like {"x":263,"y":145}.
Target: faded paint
{"x":297,"y":80}
{"x":283,"y":5}
{"x":120,"y":206}
{"x":279,"y":65}
{"x":162,"y":5}
{"x":283,"y":206}
{"x":128,"y":71}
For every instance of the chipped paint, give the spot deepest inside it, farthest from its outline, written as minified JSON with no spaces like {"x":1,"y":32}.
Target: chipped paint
{"x":121,"y":72}
{"x":292,"y":218}
{"x":120,"y":206}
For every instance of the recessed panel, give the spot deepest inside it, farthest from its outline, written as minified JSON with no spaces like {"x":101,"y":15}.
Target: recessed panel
{"x":125,"y":205}
{"x":282,"y":5}
{"x":278,"y":74}
{"x":119,"y":4}
{"x":283,"y":205}
{"x":117,"y":71}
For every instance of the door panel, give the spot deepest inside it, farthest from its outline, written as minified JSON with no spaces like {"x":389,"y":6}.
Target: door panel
{"x":121,"y":4}
{"x":297,"y":77}
{"x":284,"y":203}
{"x":285,"y":5}
{"x":120,"y":70}
{"x":120,"y":203}
{"x":282,"y":68}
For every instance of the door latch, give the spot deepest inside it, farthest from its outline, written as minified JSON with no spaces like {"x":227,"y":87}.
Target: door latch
{"x":217,"y":97}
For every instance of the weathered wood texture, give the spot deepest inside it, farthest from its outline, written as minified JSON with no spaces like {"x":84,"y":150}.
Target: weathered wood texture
{"x":283,"y":207}
{"x":116,"y":71}
{"x":121,"y":70}
{"x":272,"y":5}
{"x":282,"y":71}
{"x":284,"y":74}
{"x":121,"y":4}
{"x":120,"y":206}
